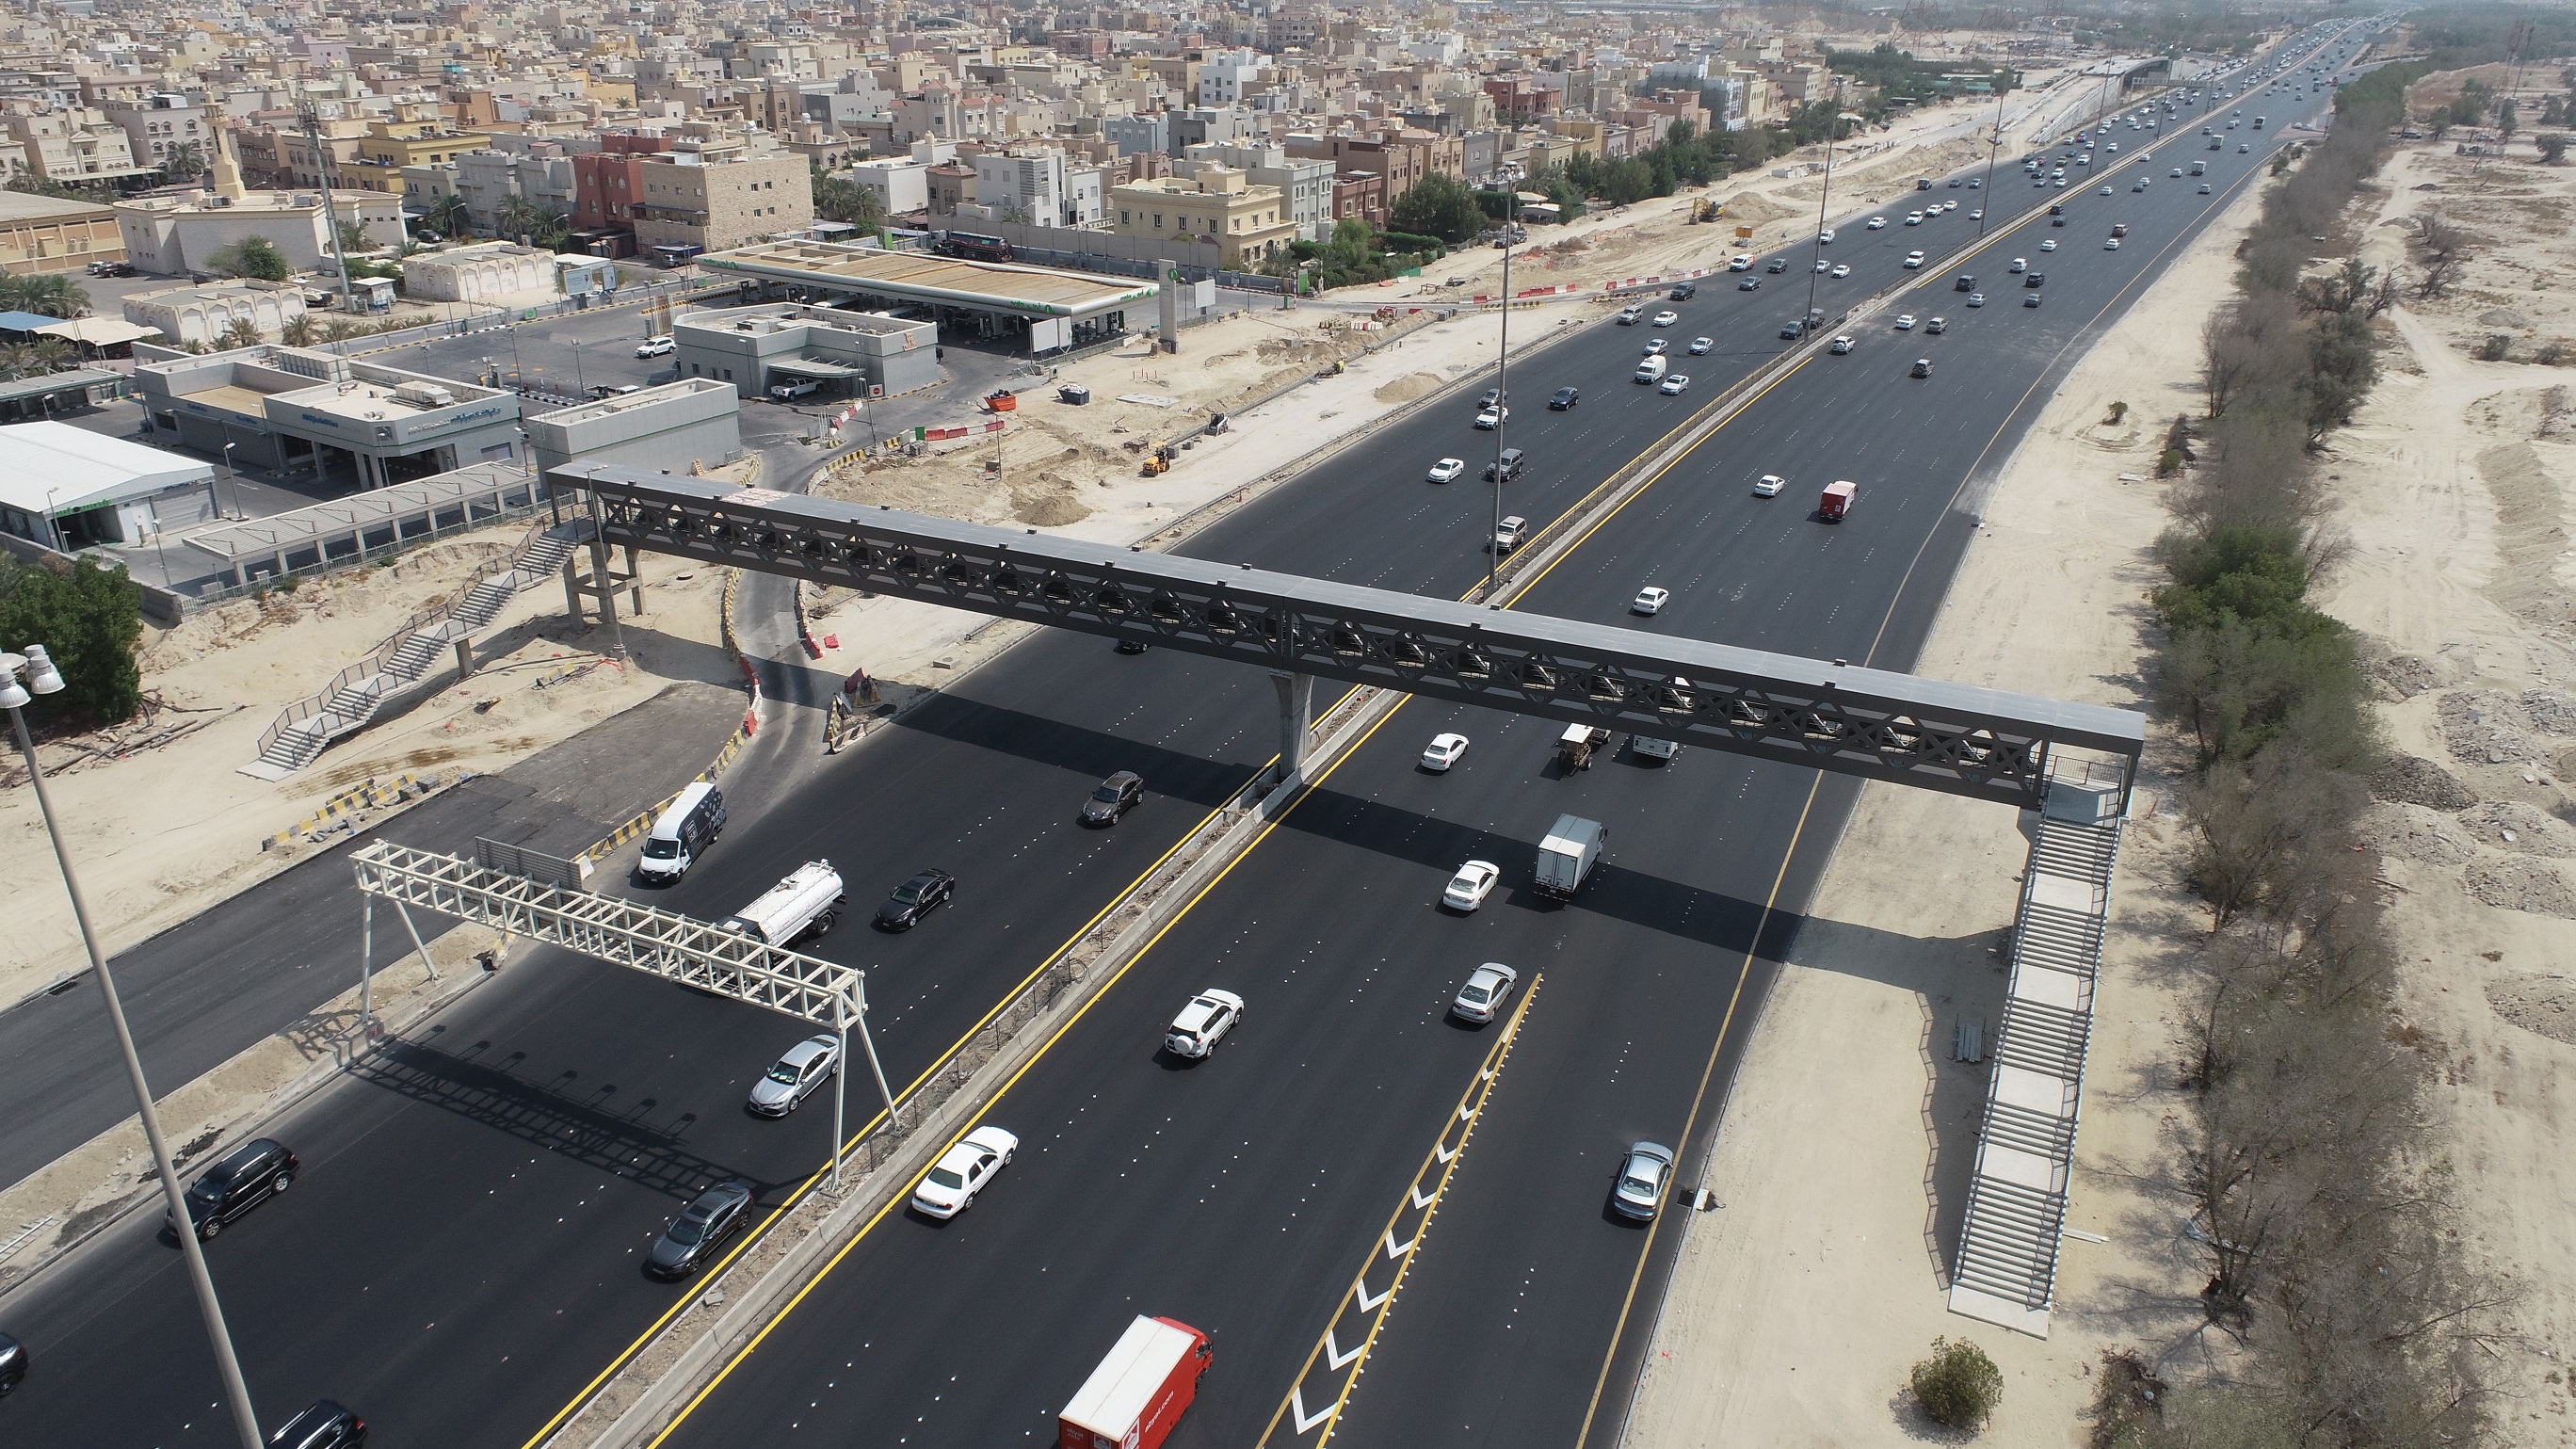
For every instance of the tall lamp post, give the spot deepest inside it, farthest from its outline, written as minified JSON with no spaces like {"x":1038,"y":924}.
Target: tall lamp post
{"x":1510,"y":176}
{"x":32,"y":671}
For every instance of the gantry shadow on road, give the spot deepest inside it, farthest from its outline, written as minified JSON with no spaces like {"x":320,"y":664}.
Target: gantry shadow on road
{"x":566,"y":1115}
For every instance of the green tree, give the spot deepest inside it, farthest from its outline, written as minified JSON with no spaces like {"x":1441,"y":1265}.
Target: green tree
{"x":48,"y":294}
{"x":1958,"y":1385}
{"x":298,"y":332}
{"x":517,"y":216}
{"x":449,"y":215}
{"x":354,"y":239}
{"x":33,"y":185}
{"x":837,"y":198}
{"x":2553,"y":147}
{"x":242,"y":333}
{"x":1438,"y":205}
{"x":185,"y":161}
{"x":253,"y":256}
{"x":2508,"y":118}
{"x":89,"y":620}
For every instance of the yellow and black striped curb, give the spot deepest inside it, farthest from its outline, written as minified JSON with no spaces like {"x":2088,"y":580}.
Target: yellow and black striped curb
{"x":642,"y":821}
{"x":373,"y":795}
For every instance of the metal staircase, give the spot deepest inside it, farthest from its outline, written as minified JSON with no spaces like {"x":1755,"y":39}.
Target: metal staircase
{"x":355,"y":695}
{"x":2006,"y":1271}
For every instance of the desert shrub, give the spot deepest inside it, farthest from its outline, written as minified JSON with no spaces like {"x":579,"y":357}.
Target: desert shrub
{"x":1958,"y":1385}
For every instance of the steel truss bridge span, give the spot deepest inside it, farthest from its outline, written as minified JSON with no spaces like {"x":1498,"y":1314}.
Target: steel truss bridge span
{"x":1982,"y":743}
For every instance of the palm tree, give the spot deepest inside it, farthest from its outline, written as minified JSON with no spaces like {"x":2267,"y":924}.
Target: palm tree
{"x":184,"y":161}
{"x":242,"y":333}
{"x":449,"y":215}
{"x":553,"y":229}
{"x":51,"y":294}
{"x":517,"y":216}
{"x":16,"y":360}
{"x":54,"y":354}
{"x":298,"y":332}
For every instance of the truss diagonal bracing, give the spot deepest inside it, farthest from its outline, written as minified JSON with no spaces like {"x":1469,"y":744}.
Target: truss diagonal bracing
{"x":621,"y":933}
{"x":1879,"y":725}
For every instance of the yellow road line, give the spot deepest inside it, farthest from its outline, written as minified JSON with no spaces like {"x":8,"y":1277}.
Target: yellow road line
{"x":1698,"y":1099}
{"x":1479,"y":1090}
{"x":1034,"y":1058}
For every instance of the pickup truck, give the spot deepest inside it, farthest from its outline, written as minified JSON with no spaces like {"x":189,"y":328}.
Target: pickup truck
{"x":790,"y":391}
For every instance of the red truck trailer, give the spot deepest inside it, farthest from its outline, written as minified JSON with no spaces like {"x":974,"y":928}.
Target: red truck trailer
{"x":1838,"y":500}
{"x":1137,"y":1394}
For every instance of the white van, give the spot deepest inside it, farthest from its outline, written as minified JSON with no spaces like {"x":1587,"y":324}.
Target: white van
{"x":1651,"y":370}
{"x":683,"y":834}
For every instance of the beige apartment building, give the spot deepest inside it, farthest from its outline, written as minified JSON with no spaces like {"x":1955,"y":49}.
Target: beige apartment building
{"x":1217,"y":205}
{"x":698,"y":199}
{"x":80,"y":144}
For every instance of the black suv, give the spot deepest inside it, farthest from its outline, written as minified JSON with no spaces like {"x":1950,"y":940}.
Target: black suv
{"x":1113,"y":797}
{"x":1565,"y":399}
{"x":324,"y":1426}
{"x":1685,"y":291}
{"x":1508,"y":466}
{"x":2034,"y":279}
{"x":249,"y":1175}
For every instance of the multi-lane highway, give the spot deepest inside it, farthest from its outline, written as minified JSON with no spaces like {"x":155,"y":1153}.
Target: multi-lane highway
{"x":460,"y":1255}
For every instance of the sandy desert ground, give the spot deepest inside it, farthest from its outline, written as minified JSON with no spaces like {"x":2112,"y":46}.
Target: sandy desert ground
{"x":1801,"y":1301}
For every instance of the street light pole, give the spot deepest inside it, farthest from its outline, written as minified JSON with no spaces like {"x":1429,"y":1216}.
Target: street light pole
{"x":1502,"y":393}
{"x":580,"y":383}
{"x":41,"y":677}
{"x":234,"y":475}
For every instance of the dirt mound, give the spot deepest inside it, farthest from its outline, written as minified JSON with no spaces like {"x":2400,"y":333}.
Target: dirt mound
{"x":2484,"y":727}
{"x":1406,"y":388}
{"x":2538,"y":1003}
{"x":2412,"y":780}
{"x":1752,"y":208}
{"x":1047,"y":501}
{"x":2521,"y":829}
{"x":2515,"y":884}
{"x":2411,"y":832}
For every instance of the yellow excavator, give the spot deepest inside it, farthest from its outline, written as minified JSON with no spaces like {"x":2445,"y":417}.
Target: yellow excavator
{"x":1705,"y":209}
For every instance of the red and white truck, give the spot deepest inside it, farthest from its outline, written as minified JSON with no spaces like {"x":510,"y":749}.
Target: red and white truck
{"x":1838,"y":500}
{"x":1138,"y":1392}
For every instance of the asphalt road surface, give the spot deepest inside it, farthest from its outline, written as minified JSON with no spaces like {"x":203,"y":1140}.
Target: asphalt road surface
{"x":459,"y":1256}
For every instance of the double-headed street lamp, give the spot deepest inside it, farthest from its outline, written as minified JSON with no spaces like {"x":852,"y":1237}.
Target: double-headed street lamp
{"x":19,"y":675}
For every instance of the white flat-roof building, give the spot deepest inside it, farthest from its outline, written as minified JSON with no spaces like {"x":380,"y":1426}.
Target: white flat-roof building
{"x":287,"y":406}
{"x":67,"y":487}
{"x":494,"y":274}
{"x":203,"y":314}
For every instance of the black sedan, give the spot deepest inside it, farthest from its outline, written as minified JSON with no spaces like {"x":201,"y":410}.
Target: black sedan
{"x":1113,"y":797}
{"x":13,"y":1364}
{"x":1564,"y":399}
{"x":701,"y":1228}
{"x":915,"y":899}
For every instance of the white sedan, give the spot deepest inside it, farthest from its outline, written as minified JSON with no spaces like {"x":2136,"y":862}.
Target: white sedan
{"x":1650,"y":600}
{"x":1701,"y":344}
{"x":1841,"y":269}
{"x":1840,"y":345}
{"x":1769,"y":486}
{"x":1674,"y":385}
{"x":1877,"y":223}
{"x":1487,"y":988}
{"x":1913,"y":218}
{"x":2048,"y":244}
{"x":1667,"y":317}
{"x":1447,"y":470}
{"x":1656,"y":347}
{"x":1442,"y":752}
{"x":1913,"y":260}
{"x":1904,"y":321}
{"x":2110,"y":244}
{"x":1469,"y":887}
{"x":1492,"y":418}
{"x":962,"y":1171}
{"x":1203,"y":1023}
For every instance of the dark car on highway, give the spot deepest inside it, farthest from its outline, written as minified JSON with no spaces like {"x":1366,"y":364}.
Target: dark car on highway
{"x":1113,"y":797}
{"x":1565,"y":399}
{"x":699,"y":1230}
{"x":326,"y":1425}
{"x":247,"y":1176}
{"x":13,"y":1364}
{"x":915,"y":899}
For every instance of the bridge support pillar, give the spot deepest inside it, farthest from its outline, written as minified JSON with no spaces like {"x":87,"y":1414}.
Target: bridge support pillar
{"x":1296,"y":718}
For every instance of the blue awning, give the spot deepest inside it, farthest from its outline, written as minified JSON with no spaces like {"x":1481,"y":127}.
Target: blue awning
{"x":26,"y":321}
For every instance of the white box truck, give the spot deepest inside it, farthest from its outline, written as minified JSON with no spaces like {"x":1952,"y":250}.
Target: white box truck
{"x":807,"y":902}
{"x":1568,"y":854}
